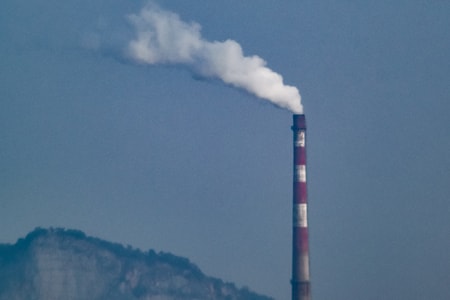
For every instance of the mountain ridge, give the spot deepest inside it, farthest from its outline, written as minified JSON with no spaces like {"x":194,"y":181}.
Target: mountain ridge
{"x":58,"y":263}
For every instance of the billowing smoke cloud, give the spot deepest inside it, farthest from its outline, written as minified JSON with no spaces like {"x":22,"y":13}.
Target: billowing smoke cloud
{"x":163,"y":38}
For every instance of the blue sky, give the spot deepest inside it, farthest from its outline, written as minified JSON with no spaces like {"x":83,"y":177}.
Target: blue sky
{"x":156,"y":157}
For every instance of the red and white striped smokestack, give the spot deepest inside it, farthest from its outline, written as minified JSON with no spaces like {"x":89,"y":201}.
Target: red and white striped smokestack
{"x":301,"y":289}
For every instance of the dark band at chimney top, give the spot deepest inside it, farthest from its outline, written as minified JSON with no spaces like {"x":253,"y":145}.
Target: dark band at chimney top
{"x":299,"y":122}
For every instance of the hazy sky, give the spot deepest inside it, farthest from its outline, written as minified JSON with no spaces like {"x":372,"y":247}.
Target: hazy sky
{"x":156,"y":157}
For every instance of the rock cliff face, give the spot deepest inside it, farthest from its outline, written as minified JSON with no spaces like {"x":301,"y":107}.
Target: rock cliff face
{"x":55,"y":264}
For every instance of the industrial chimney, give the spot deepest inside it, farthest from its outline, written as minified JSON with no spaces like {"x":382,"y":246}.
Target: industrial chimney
{"x":300,"y":281}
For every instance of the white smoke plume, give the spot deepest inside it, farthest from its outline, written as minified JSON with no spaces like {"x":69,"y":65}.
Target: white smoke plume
{"x":163,"y":38}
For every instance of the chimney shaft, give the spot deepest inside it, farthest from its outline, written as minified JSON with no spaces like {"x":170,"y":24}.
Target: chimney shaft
{"x":301,"y":289}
